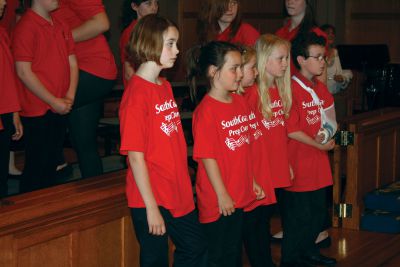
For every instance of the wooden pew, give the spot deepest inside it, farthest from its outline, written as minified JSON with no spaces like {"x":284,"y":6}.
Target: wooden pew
{"x":85,"y":223}
{"x":371,"y":162}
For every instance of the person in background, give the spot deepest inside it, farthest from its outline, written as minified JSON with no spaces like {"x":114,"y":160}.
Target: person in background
{"x":132,"y":11}
{"x":221,"y":20}
{"x":88,"y":21}
{"x":10,"y":123}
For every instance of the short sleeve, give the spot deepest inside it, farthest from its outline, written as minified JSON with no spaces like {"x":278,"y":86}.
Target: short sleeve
{"x":23,"y":44}
{"x":85,"y":9}
{"x":293,"y":121}
{"x":134,"y":121}
{"x":205,"y":136}
{"x":250,"y":35}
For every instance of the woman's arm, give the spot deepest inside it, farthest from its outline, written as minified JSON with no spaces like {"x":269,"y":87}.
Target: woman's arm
{"x":225,"y":202}
{"x":140,"y":172}
{"x":305,"y":139}
{"x":91,"y":28}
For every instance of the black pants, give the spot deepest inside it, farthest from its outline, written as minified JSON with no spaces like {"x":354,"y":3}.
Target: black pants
{"x":185,"y":232}
{"x":256,"y":236}
{"x":5,"y":140}
{"x":224,"y":239}
{"x":304,"y":214}
{"x":44,"y":137}
{"x":83,"y":121}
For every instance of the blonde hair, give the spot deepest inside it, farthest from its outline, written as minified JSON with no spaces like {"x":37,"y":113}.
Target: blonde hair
{"x":247,"y":53}
{"x":264,"y":48}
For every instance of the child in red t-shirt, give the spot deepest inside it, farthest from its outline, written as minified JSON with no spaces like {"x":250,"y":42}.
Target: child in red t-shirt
{"x":222,"y":20}
{"x":43,"y":50}
{"x":158,"y":188}
{"x":133,"y":10}
{"x":222,"y":131}
{"x":10,"y":124}
{"x":304,"y":204}
{"x":271,"y":100}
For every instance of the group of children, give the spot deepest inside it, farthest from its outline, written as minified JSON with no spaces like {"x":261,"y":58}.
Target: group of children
{"x":257,"y":128}
{"x":251,"y":134}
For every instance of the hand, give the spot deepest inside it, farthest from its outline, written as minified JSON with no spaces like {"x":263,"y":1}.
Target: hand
{"x":319,"y":138}
{"x":328,"y":146}
{"x":155,"y":221}
{"x":19,"y":129}
{"x":226,"y":205}
{"x":70,"y":97}
{"x":257,"y":189}
{"x":338,"y":78}
{"x":291,"y":173}
{"x":61,"y":106}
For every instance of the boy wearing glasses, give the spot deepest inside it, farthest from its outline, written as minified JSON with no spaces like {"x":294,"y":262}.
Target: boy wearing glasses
{"x":304,"y":203}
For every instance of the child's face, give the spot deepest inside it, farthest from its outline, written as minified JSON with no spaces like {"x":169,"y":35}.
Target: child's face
{"x":229,"y":76}
{"x":48,"y":5}
{"x":230,"y":12}
{"x":277,"y":62}
{"x":170,"y":48}
{"x":2,"y":6}
{"x":295,"y":7}
{"x":314,"y":64}
{"x":146,"y":8}
{"x":249,"y":72}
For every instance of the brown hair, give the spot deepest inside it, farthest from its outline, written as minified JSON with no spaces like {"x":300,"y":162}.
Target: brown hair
{"x":147,"y":38}
{"x":210,"y":12}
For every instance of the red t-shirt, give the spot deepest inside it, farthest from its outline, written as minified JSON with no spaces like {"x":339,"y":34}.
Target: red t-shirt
{"x":123,"y":42}
{"x":150,"y":123}
{"x":8,"y":80}
{"x":310,"y":165}
{"x":8,"y":20}
{"x":94,"y":55}
{"x":289,"y":35}
{"x":222,"y":132}
{"x":274,"y":135}
{"x":246,"y":35}
{"x":47,"y":46}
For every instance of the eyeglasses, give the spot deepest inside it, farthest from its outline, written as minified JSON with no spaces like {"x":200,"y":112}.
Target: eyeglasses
{"x":319,"y":58}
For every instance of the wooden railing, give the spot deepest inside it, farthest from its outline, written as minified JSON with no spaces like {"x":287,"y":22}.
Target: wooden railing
{"x":372,"y":161}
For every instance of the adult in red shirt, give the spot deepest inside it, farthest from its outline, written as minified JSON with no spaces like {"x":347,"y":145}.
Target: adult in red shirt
{"x":8,"y":19}
{"x":133,"y":10}
{"x":97,"y":73}
{"x":305,"y":206}
{"x":10,"y":124}
{"x":300,"y":21}
{"x":222,"y":21}
{"x":158,"y":189}
{"x":44,"y":56}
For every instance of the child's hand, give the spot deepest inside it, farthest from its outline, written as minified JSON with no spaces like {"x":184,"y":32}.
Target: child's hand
{"x":19,"y":129}
{"x":155,"y":222}
{"x":226,"y":205}
{"x":291,"y":173}
{"x":328,"y":146}
{"x":319,"y":138}
{"x":257,"y":189}
{"x":61,"y":106}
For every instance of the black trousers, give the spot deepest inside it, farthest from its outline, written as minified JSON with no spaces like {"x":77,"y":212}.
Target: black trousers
{"x":224,"y":239}
{"x":185,"y":232}
{"x":83,"y":121}
{"x":44,"y":138}
{"x":303,"y":218}
{"x":256,"y":236}
{"x":5,"y":141}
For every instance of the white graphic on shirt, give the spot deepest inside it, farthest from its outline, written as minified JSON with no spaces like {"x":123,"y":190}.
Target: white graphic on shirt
{"x":270,"y":124}
{"x":257,"y":134}
{"x":232,"y":144}
{"x":171,"y":119}
{"x":313,"y":116}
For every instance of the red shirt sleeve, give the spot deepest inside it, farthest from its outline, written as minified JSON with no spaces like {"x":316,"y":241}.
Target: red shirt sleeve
{"x":133,"y":121}
{"x":23,"y":44}
{"x":250,"y":34}
{"x":85,"y":9}
{"x":293,"y":122}
{"x":205,"y":136}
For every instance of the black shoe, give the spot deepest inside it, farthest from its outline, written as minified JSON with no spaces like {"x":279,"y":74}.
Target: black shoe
{"x":320,"y":260}
{"x":325,"y":243}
